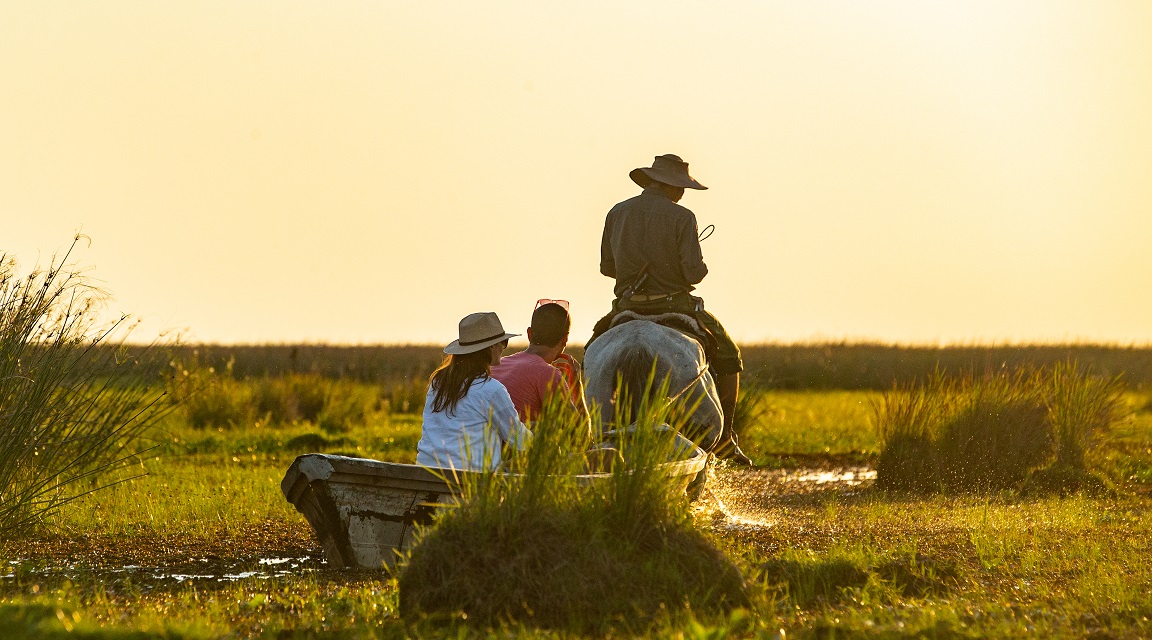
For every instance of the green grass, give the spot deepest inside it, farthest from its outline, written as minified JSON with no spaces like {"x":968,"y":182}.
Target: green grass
{"x":832,"y":564}
{"x":796,"y":428}
{"x":224,"y":480}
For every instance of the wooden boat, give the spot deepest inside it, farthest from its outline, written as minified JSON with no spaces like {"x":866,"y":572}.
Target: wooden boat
{"x":365,"y":512}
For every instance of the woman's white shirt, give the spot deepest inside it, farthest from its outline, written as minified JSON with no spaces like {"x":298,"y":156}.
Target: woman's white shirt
{"x":464,"y":439}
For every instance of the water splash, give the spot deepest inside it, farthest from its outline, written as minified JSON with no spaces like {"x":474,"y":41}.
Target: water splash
{"x":742,"y":500}
{"x":850,"y":478}
{"x":738,"y":521}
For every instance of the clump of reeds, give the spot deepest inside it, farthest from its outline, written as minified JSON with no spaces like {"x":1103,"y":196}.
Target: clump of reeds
{"x":992,"y":431}
{"x":72,"y":409}
{"x":548,"y":547}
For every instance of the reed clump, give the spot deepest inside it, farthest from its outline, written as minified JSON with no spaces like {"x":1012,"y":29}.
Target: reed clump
{"x":996,"y":430}
{"x":545,"y":547}
{"x":72,"y":407}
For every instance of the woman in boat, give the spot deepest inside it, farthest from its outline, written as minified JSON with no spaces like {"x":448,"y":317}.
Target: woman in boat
{"x":468,"y":415}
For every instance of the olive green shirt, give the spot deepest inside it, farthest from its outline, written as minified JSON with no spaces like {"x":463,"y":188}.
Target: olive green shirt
{"x":651,"y":229}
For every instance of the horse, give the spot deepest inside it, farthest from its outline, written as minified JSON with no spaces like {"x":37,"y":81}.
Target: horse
{"x":628,"y":351}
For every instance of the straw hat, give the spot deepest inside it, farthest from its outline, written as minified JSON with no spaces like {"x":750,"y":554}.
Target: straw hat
{"x":669,"y":169}
{"x":478,"y":331}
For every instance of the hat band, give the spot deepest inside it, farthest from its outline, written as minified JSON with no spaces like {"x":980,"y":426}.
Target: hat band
{"x":469,"y":343}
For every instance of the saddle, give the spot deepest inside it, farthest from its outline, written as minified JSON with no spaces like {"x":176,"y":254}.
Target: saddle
{"x":681,"y":322}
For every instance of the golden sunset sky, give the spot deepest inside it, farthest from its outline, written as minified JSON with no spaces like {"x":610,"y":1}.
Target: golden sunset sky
{"x":370,"y":171}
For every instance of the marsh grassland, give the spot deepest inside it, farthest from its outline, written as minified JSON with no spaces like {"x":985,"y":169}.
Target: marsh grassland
{"x":204,"y":546}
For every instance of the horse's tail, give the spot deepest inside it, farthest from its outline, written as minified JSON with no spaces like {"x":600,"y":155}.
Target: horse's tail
{"x":634,"y":381}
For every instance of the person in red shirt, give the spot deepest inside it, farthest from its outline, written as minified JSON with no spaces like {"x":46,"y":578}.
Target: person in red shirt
{"x":542,"y":369}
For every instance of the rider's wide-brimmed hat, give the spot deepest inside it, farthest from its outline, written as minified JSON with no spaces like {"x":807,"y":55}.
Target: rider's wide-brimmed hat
{"x":669,"y":169}
{"x":478,"y":331}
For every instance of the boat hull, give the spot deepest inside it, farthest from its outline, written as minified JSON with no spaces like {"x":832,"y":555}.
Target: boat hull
{"x":365,"y":512}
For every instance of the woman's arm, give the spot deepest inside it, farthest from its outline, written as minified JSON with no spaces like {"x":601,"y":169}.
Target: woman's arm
{"x":507,"y":421}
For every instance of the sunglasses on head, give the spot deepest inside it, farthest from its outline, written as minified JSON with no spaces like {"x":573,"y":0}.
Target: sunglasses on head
{"x":543,"y":301}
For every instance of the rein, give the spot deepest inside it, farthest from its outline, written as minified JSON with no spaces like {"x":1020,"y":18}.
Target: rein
{"x":679,"y":393}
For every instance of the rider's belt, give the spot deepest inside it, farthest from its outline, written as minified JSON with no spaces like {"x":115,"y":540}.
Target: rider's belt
{"x":643,"y":297}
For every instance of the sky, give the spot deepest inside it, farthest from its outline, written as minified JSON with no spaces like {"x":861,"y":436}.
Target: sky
{"x":370,"y":172}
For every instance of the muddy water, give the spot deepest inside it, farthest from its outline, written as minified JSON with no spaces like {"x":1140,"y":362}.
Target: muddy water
{"x":198,"y":570}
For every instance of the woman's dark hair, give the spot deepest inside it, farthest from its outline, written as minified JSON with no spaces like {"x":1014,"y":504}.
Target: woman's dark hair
{"x":452,"y":380}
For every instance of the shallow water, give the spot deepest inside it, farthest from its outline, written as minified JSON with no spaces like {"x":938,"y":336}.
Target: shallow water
{"x":209,"y":570}
{"x":741,"y":500}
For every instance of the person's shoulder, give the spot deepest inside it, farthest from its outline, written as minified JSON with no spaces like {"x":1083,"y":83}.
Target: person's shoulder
{"x":628,"y":204}
{"x":489,"y":385}
{"x":519,"y":366}
{"x":494,"y":391}
{"x":508,"y":364}
{"x":663,"y":205}
{"x":679,"y":208}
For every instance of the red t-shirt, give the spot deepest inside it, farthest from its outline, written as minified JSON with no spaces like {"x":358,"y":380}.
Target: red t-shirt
{"x":529,"y":380}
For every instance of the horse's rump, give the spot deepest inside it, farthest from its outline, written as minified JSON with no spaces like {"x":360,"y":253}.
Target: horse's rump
{"x":620,"y":363}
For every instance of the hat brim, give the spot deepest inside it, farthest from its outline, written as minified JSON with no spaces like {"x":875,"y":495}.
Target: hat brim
{"x":645,"y":176}
{"x":456,"y":349}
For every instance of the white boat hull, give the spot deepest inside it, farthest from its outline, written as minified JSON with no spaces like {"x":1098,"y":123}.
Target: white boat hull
{"x":366,"y":512}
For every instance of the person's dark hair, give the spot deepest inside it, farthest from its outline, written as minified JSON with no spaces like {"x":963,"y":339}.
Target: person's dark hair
{"x":550,"y":324}
{"x":452,"y":380}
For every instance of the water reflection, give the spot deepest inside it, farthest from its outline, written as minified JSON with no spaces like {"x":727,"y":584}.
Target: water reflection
{"x":850,"y":478}
{"x":214,"y":571}
{"x":742,"y":500}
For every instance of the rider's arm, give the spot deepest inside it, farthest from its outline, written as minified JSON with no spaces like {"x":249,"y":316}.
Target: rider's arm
{"x":607,"y":260}
{"x":691,"y":258}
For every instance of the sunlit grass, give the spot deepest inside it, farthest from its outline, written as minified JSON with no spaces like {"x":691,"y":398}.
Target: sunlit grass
{"x":801,"y":424}
{"x":207,"y":481}
{"x":831,"y":564}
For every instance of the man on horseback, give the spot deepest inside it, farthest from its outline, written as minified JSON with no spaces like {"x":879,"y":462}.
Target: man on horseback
{"x":651,"y":247}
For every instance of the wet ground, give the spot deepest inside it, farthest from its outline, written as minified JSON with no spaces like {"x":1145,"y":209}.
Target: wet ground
{"x":148,"y":560}
{"x":737,"y":502}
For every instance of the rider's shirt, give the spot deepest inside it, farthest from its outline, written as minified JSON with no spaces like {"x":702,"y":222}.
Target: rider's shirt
{"x":651,"y":229}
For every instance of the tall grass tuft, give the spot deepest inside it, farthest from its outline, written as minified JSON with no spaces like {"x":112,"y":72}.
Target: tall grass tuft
{"x":990,"y":432}
{"x":998,"y":432}
{"x":72,"y":408}
{"x":548,"y":548}
{"x":1082,"y":410}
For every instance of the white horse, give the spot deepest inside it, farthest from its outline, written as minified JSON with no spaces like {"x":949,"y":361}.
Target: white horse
{"x":627,"y":352}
